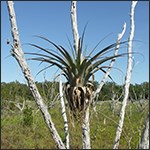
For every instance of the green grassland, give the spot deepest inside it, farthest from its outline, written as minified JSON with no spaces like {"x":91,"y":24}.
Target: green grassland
{"x":28,"y":130}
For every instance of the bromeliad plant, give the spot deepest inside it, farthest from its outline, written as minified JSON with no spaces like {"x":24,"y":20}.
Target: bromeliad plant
{"x":77,"y":69}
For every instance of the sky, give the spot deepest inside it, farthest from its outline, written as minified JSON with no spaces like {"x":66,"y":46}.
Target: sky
{"x":52,"y":20}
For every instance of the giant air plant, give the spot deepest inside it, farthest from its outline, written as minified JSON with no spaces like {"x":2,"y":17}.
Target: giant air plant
{"x":78,"y":69}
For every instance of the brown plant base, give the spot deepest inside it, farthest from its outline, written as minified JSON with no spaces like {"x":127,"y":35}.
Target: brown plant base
{"x":78,"y":99}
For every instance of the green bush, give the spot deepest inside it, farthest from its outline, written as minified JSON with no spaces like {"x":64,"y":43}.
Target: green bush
{"x":27,"y":116}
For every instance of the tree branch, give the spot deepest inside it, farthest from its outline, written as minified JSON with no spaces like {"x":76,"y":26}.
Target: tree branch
{"x":120,"y":35}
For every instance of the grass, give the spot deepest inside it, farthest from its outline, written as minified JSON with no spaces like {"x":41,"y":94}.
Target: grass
{"x":103,"y":125}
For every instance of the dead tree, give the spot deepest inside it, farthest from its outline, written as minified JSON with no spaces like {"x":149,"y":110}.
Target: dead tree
{"x":127,"y":78}
{"x":86,"y":121}
{"x":18,"y":54}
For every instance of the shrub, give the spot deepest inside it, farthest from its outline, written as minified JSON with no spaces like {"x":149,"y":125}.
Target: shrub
{"x":27,"y":116}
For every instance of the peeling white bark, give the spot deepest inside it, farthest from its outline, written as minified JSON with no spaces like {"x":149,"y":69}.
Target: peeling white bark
{"x":74,"y":25}
{"x":127,"y":79}
{"x":120,"y":35}
{"x":86,"y":144}
{"x":18,"y":54}
{"x":144,"y":143}
{"x":64,"y":114}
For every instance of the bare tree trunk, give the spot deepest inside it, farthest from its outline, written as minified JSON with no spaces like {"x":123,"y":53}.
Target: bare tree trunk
{"x":86,"y":144}
{"x":18,"y":54}
{"x":127,"y":79}
{"x":64,"y":114}
{"x":86,"y":125}
{"x":74,"y":25}
{"x":144,"y":143}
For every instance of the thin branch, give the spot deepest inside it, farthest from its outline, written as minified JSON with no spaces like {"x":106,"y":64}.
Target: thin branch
{"x":64,"y":114}
{"x":127,"y":78}
{"x":111,"y":63}
{"x":18,"y":54}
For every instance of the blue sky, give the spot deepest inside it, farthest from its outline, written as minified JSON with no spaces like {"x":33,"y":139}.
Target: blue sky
{"x":52,"y":20}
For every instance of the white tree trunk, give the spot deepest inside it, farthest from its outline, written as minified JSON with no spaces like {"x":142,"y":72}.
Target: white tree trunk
{"x":18,"y":54}
{"x":120,"y":35}
{"x":86,"y":125}
{"x":144,"y":143}
{"x":86,"y":144}
{"x":74,"y":25}
{"x":127,"y":78}
{"x":64,"y":114}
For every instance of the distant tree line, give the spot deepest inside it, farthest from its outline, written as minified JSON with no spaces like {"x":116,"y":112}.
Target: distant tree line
{"x":113,"y":91}
{"x":11,"y":91}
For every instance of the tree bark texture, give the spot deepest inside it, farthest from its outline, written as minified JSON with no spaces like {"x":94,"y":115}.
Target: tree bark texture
{"x":86,"y":144}
{"x":127,"y":78}
{"x":86,"y":125}
{"x":74,"y":25}
{"x":64,"y":114}
{"x":144,"y":143}
{"x":18,"y":54}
